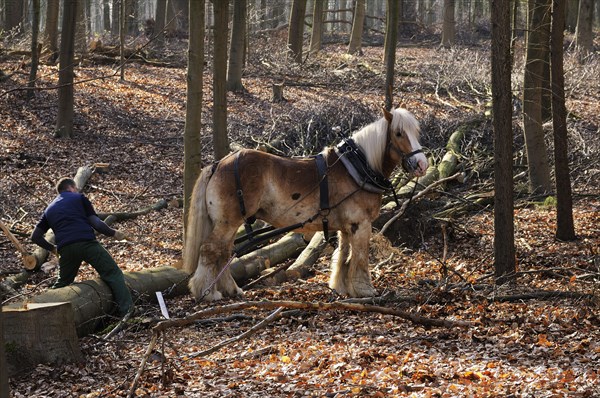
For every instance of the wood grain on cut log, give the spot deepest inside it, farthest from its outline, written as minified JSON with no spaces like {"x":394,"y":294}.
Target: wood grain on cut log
{"x":39,"y":333}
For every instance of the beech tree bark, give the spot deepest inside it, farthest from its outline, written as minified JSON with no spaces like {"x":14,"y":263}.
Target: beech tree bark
{"x":237,"y":47}
{"x":565,"y":229}
{"x":296,"y":30}
{"x":220,"y":140}
{"x":316,"y":36}
{"x":64,"y":122}
{"x":537,"y":44}
{"x":192,"y":157}
{"x":504,"y":242}
{"x":358,"y":21}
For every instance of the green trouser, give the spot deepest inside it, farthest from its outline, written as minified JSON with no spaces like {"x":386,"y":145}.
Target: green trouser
{"x":93,"y":253}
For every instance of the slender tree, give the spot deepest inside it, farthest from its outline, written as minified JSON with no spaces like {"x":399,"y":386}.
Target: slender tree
{"x":106,"y":15}
{"x":391,"y":35}
{"x":316,"y":36}
{"x":448,"y":24}
{"x":64,"y":122}
{"x":565,"y":229}
{"x":537,"y":43}
{"x":237,"y":47}
{"x":220,"y":141}
{"x":358,"y":21}
{"x":191,"y":137}
{"x":584,"y":31}
{"x":296,"y":30}
{"x":51,"y":32}
{"x":504,"y":243}
{"x":4,"y":387}
{"x":35,"y":51}
{"x":159,"y":22}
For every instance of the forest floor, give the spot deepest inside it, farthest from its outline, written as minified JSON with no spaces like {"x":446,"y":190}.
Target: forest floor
{"x":537,"y":338}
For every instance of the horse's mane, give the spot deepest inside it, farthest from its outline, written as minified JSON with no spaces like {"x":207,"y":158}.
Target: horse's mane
{"x":372,"y":138}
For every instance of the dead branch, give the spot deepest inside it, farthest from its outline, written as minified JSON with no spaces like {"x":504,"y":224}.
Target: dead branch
{"x":416,"y":196}
{"x":315,"y":306}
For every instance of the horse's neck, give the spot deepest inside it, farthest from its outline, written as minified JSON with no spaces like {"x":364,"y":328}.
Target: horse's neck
{"x":388,"y":164}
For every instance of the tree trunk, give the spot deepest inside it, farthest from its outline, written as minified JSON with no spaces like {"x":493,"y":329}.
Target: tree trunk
{"x":449,"y":24}
{"x":35,"y":51}
{"x":565,"y":229}
{"x":51,"y":35}
{"x":236,"y":47}
{"x":13,"y":13}
{"x":358,"y":21}
{"x":64,"y":123}
{"x":572,"y":13}
{"x":296,"y":30}
{"x":81,"y":30}
{"x":159,"y":23}
{"x":504,"y":244}
{"x":391,"y":37}
{"x":220,"y":141}
{"x":106,"y":15}
{"x":584,"y":32}
{"x":192,"y":148}
{"x":4,"y":389}
{"x":316,"y":37}
{"x":537,"y":156}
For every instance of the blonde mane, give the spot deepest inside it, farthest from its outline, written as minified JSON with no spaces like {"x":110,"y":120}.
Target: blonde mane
{"x":372,"y":138}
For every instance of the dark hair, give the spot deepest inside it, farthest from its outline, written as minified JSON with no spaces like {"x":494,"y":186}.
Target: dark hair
{"x":64,"y":183}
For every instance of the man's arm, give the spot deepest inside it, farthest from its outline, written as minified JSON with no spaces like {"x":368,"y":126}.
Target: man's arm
{"x":37,"y":237}
{"x":101,"y":226}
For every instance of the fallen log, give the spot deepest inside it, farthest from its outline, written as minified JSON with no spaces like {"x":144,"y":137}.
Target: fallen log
{"x":309,"y":256}
{"x":92,"y":299}
{"x":252,"y":264}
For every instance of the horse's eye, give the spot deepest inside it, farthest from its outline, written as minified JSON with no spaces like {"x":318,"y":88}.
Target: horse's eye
{"x":399,"y":134}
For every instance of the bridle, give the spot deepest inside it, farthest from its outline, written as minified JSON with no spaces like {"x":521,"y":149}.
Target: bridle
{"x":389,"y":147}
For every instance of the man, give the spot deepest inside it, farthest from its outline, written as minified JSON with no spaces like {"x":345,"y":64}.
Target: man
{"x":73,"y":220}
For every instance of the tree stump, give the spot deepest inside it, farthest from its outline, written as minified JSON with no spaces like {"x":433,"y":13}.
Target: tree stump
{"x":39,"y":333}
{"x":278,"y":93}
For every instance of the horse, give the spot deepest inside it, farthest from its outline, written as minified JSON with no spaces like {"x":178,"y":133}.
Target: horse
{"x":284,"y":191}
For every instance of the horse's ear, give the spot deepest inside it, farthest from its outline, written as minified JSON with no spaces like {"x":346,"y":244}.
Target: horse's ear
{"x":401,"y":105}
{"x":388,"y":116}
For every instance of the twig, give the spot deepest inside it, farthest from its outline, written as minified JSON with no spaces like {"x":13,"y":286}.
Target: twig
{"x":140,"y":371}
{"x":316,"y":306}
{"x":273,"y":316}
{"x":417,"y":195}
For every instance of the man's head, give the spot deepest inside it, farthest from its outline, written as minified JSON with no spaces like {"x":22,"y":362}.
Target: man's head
{"x":66,"y":184}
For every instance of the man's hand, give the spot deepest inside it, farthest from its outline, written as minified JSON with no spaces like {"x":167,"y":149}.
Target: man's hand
{"x":121,"y":235}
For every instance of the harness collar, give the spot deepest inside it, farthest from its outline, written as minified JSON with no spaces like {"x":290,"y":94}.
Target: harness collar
{"x":355,"y":161}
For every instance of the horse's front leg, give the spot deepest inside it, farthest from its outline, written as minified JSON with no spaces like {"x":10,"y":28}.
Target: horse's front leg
{"x":358,"y":277}
{"x":339,"y":264}
{"x":350,"y":264}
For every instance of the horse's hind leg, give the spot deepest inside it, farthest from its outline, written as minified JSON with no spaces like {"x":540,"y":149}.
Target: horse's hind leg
{"x":210,"y":281}
{"x":358,"y":276}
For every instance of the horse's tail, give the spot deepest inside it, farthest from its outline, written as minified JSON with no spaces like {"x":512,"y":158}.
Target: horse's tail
{"x":199,"y":224}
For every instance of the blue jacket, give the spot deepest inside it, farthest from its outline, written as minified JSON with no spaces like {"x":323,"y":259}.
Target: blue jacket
{"x":72,"y":218}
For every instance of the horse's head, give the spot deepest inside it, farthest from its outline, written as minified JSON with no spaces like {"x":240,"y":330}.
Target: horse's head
{"x":403,"y":141}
